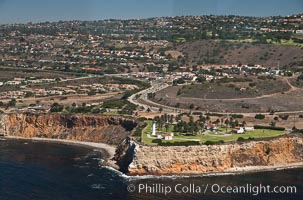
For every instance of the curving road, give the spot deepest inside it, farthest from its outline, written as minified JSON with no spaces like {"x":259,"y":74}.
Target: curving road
{"x":156,"y":86}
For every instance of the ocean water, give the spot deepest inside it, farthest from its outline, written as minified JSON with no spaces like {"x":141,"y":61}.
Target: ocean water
{"x":32,"y":170}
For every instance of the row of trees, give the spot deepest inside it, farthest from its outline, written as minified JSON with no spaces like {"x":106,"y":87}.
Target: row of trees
{"x":11,"y":103}
{"x":193,"y":126}
{"x":123,"y":107}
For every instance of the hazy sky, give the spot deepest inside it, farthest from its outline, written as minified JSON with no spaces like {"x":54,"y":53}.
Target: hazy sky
{"x":21,"y":11}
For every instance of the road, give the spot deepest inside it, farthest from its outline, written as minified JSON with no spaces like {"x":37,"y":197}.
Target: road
{"x":145,"y":102}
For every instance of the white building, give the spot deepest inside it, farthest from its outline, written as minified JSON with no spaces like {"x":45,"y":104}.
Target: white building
{"x":168,"y":136}
{"x":154,"y":129}
{"x":239,"y":130}
{"x":249,"y":128}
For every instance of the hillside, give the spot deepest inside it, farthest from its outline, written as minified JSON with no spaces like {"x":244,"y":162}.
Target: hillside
{"x":93,"y":128}
{"x":223,"y":52}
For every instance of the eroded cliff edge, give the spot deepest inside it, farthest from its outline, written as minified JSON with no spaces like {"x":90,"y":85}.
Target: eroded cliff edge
{"x":135,"y":159}
{"x":82,"y":127}
{"x":157,"y":160}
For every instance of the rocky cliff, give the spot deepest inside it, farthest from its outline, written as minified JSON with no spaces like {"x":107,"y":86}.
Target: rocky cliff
{"x":94,"y":128}
{"x":136,"y":159}
{"x":158,"y":160}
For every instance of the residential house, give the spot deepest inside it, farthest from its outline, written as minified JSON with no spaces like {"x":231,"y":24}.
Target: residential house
{"x":238,"y":130}
{"x":168,"y":136}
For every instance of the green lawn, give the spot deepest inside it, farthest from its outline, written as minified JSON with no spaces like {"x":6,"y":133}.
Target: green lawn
{"x":213,"y":137}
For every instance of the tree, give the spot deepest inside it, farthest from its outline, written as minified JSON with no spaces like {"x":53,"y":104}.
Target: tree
{"x":55,"y":107}
{"x":160,"y":110}
{"x":91,"y":93}
{"x":217,"y":121}
{"x":259,"y":116}
{"x":12,"y":103}
{"x":222,"y":120}
{"x":191,"y":106}
{"x":148,"y":110}
{"x":201,"y":79}
{"x":166,"y":127}
{"x":28,"y":94}
{"x":226,"y":122}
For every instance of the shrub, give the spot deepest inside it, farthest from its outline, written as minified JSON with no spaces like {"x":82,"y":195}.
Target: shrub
{"x":56,"y":107}
{"x":235,"y":116}
{"x":214,"y":114}
{"x":197,"y":113}
{"x":213,"y":142}
{"x":259,"y":116}
{"x":252,"y":84}
{"x":269,"y":127}
{"x":158,"y":141}
{"x":142,"y":119}
{"x":241,"y":139}
{"x":91,"y":93}
{"x":284,"y":117}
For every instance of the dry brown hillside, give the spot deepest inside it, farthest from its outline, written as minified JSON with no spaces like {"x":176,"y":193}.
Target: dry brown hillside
{"x":219,"y":52}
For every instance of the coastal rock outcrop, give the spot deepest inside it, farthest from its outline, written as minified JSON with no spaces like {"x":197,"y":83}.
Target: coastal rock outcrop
{"x":125,"y":154}
{"x":159,"y":160}
{"x":83,"y":127}
{"x":136,"y":159}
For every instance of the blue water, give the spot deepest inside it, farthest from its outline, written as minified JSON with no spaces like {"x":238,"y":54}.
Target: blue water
{"x":40,"y":171}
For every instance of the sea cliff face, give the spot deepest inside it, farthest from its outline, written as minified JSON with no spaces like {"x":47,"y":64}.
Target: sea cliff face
{"x":94,"y":128}
{"x":135,"y":159}
{"x":156,"y":160}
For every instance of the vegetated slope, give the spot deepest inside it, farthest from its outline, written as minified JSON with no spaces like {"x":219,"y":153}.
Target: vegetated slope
{"x":223,"y":52}
{"x":230,"y":90}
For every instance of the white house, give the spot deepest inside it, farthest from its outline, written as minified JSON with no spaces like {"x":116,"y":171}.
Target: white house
{"x":238,"y":130}
{"x":168,"y":136}
{"x":159,"y":137}
{"x":211,"y":127}
{"x":249,"y":128}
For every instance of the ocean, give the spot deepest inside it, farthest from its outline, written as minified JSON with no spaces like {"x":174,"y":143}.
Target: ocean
{"x":36,"y":170}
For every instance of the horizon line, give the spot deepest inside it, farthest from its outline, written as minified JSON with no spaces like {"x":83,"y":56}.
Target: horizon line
{"x":139,"y":18}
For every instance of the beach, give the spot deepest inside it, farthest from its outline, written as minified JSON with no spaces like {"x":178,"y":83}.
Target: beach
{"x":107,"y":149}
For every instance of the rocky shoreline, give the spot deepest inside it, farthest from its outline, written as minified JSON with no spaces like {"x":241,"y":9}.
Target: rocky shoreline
{"x":283,"y":152}
{"x":109,"y":152}
{"x":112,"y":135}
